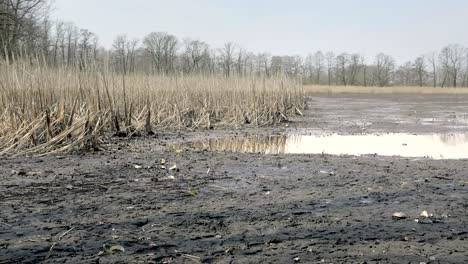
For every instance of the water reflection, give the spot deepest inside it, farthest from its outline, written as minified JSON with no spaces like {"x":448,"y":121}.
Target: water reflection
{"x":260,"y":144}
{"x":436,"y":146}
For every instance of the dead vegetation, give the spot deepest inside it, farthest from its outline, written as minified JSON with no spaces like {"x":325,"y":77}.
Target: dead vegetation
{"x":47,"y":110}
{"x":384,"y":90}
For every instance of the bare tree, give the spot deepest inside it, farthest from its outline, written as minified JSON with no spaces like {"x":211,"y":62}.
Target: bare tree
{"x":125,"y":53}
{"x":451,"y":59}
{"x":420,"y":69}
{"x":195,"y":50}
{"x":309,"y":68}
{"x":227,"y":57}
{"x":240,"y":61}
{"x":354,"y":66}
{"x":87,"y":43}
{"x":318,"y":59}
{"x":384,"y":69}
{"x":364,"y":70}
{"x":342,"y":62}
{"x":162,"y":48}
{"x":433,"y":62}
{"x":59,"y":40}
{"x":330,"y":56}
{"x":20,"y":21}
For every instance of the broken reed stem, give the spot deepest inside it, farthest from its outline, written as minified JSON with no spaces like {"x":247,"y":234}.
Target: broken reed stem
{"x":50,"y":109}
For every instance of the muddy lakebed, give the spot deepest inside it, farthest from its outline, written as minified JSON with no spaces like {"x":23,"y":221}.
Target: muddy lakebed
{"x":320,"y":189}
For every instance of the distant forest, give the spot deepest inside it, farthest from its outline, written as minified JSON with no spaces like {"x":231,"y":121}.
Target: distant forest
{"x":27,"y":31}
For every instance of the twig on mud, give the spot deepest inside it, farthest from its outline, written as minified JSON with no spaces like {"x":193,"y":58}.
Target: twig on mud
{"x":191,"y":257}
{"x":5,"y":224}
{"x":443,"y":178}
{"x":50,"y":250}
{"x":55,"y":243}
{"x":65,"y":233}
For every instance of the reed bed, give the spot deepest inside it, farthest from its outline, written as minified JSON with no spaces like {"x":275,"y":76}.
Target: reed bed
{"x":49,"y":110}
{"x":383,"y":90}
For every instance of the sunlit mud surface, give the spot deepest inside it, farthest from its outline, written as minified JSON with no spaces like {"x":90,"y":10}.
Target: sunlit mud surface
{"x":435,"y":146}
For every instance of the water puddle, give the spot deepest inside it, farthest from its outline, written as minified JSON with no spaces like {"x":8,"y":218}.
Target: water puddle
{"x":436,"y":146}
{"x":450,"y":118}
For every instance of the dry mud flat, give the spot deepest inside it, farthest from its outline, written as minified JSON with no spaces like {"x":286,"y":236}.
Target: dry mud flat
{"x":122,"y":206}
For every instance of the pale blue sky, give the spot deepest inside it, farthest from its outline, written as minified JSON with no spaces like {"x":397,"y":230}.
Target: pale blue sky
{"x":401,"y":28}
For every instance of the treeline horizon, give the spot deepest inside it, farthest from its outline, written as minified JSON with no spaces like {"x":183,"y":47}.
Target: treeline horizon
{"x":26,"y":30}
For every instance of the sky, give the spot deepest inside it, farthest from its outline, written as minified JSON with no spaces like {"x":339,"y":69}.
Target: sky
{"x":404,"y":29}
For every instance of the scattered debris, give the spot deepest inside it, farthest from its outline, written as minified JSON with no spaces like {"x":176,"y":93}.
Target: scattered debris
{"x":399,"y":215}
{"x":423,"y":221}
{"x":174,"y":168}
{"x":111,"y":250}
{"x":444,"y":178}
{"x":426,"y":214}
{"x":193,"y":192}
{"x":163,"y":162}
{"x":191,"y":257}
{"x":116,"y":249}
{"x":138,"y":167}
{"x":331,"y":173}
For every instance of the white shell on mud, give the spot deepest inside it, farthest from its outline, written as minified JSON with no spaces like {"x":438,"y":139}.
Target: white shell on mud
{"x":426,"y":214}
{"x":399,"y":215}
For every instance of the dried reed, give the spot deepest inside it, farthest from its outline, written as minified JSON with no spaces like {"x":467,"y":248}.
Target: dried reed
{"x":44,"y":110}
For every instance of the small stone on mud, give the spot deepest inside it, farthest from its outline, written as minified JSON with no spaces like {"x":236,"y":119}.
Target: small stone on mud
{"x":138,"y":167}
{"x":174,"y":168}
{"x":399,"y":215}
{"x":426,"y":214}
{"x":170,"y":177}
{"x":424,"y":221}
{"x":331,"y":173}
{"x":69,"y":187}
{"x":163,"y":161}
{"x":297,"y":259}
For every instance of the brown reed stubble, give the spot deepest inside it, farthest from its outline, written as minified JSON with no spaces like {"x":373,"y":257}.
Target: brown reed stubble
{"x":47,"y":110}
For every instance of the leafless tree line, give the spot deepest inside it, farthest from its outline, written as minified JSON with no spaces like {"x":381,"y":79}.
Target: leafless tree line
{"x":25,"y":28}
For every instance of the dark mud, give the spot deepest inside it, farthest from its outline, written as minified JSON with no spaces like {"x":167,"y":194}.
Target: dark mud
{"x":245,"y":208}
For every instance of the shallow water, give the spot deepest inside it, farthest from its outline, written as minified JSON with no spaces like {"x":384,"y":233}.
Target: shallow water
{"x":436,"y":146}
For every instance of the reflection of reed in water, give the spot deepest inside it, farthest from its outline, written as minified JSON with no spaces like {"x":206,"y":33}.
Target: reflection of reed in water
{"x":453,"y":139}
{"x":258,"y":144}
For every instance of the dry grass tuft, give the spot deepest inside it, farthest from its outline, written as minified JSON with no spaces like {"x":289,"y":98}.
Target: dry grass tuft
{"x":383,"y":90}
{"x":44,"y":110}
